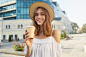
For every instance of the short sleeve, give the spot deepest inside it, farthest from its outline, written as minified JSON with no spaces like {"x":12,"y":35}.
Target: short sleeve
{"x":25,"y":49}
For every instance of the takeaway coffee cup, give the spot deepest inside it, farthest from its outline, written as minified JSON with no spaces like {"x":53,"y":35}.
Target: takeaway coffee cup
{"x":31,"y":30}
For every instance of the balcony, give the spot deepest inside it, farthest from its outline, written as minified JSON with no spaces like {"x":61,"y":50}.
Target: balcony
{"x":8,"y":3}
{"x":7,"y":10}
{"x":10,"y":16}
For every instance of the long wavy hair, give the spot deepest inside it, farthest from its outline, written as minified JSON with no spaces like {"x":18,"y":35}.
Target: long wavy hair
{"x":47,"y":28}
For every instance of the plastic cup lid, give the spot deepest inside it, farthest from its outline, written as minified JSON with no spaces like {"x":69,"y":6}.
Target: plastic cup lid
{"x":30,"y":26}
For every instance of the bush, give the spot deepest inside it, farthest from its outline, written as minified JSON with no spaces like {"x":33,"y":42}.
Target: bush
{"x":61,"y":35}
{"x":18,"y":47}
{"x":70,"y":32}
{"x":9,"y":38}
{"x":64,"y":34}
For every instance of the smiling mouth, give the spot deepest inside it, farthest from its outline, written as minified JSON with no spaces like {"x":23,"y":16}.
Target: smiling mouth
{"x":39,"y":20}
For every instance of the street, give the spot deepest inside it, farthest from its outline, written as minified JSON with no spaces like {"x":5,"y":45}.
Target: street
{"x":8,"y":46}
{"x":73,"y":47}
{"x":70,"y":48}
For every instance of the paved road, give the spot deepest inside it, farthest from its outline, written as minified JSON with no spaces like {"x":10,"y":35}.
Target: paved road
{"x":70,"y":48}
{"x":73,"y":47}
{"x":8,"y":46}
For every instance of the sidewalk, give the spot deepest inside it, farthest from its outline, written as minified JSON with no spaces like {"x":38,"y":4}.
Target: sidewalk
{"x":6,"y":41}
{"x":11,"y":53}
{"x":20,"y":53}
{"x":70,"y":48}
{"x":3,"y":50}
{"x":73,"y":47}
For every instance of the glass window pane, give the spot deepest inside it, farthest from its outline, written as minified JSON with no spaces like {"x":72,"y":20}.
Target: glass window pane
{"x":21,"y":10}
{"x":27,"y":10}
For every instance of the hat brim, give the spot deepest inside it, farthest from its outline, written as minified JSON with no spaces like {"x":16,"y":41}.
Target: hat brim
{"x":44,"y":5}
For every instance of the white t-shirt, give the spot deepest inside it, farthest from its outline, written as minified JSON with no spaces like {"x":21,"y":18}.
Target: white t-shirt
{"x":45,"y":48}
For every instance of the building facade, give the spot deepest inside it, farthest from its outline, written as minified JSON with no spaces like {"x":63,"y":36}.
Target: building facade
{"x":14,"y":17}
{"x":17,"y":9}
{"x":61,"y":16}
{"x":67,"y":24}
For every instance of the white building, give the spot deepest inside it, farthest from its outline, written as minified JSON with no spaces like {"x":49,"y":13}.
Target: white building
{"x":14,"y":18}
{"x":62,"y":17}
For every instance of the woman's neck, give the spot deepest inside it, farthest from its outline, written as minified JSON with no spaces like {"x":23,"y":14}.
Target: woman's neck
{"x":41,"y":29}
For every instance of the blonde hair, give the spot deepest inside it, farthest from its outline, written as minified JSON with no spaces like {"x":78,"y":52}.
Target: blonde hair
{"x":47,"y":28}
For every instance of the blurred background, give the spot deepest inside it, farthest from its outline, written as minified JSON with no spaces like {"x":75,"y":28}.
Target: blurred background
{"x":69,"y":20}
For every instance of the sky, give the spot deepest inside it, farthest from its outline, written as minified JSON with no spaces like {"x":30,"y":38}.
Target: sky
{"x":75,"y":9}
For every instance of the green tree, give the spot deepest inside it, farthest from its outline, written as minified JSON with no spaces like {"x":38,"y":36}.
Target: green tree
{"x":9,"y":38}
{"x":74,"y":25}
{"x":61,"y":37}
{"x":83,"y":28}
{"x":64,"y":34}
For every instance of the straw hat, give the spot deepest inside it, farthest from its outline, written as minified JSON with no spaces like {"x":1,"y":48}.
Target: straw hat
{"x":44,"y":5}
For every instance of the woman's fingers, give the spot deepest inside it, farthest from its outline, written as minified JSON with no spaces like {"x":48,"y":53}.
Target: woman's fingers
{"x":26,"y":33}
{"x":25,"y":30}
{"x":26,"y":36}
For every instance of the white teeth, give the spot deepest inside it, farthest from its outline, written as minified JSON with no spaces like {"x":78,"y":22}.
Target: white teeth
{"x":39,"y":20}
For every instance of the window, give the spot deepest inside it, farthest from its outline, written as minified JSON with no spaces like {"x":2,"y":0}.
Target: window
{"x":21,"y":26}
{"x":4,"y":37}
{"x":16,"y":36}
{"x":23,"y":36}
{"x":6,"y":1}
{"x":19,"y":11}
{"x":6,"y":26}
{"x":18,"y":26}
{"x":54,"y":26}
{"x":11,"y":36}
{"x":0,"y":9}
{"x":44,"y":0}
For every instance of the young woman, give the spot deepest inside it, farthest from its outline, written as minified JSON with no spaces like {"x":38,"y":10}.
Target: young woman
{"x":46,"y":42}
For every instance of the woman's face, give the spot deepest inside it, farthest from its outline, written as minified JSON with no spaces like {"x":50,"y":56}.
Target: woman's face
{"x":39,"y":16}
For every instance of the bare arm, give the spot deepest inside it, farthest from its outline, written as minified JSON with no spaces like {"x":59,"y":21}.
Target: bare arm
{"x":56,"y":36}
{"x":28,"y":42}
{"x":28,"y":54}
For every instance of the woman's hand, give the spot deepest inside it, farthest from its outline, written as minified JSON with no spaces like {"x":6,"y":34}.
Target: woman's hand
{"x":28,"y":41}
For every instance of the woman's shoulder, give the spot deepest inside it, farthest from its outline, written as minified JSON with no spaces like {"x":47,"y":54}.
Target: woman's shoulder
{"x":56,"y":35}
{"x":55,"y":32}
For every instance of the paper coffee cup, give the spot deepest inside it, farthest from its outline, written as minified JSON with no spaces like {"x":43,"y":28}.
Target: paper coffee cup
{"x":31,"y":30}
